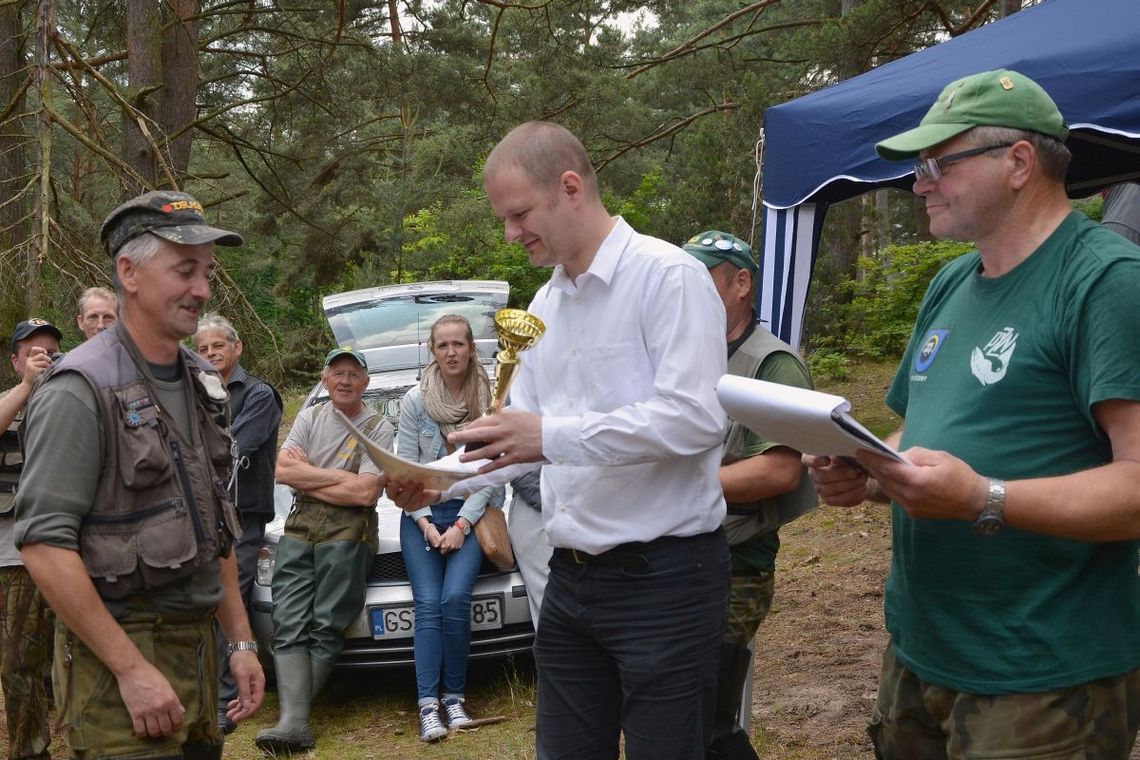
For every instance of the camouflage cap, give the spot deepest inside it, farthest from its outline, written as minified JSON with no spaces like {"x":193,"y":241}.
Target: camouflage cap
{"x":171,"y":215}
{"x":30,"y":327}
{"x":714,"y":247}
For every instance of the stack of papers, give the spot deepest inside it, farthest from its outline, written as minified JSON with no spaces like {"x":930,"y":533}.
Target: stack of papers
{"x":808,"y":421}
{"x":439,"y":475}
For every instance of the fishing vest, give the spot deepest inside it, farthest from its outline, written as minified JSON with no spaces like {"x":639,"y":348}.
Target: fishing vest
{"x":11,"y":463}
{"x":750,"y":519}
{"x":161,"y":508}
{"x":255,"y":471}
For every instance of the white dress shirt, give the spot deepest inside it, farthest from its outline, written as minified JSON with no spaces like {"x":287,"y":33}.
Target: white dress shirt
{"x":624,"y":380}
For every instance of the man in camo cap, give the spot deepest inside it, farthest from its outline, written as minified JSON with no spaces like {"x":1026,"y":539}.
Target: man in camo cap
{"x":133,"y":549}
{"x":765,"y":484}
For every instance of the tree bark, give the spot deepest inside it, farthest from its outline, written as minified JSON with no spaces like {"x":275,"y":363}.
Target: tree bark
{"x":180,"y":82}
{"x":144,"y":81}
{"x":13,"y":135}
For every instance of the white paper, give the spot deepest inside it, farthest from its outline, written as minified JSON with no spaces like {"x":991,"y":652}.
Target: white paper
{"x":438,"y":475}
{"x":808,"y":421}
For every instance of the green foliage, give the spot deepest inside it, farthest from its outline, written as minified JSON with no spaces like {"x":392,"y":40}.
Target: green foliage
{"x":877,"y":315}
{"x":828,"y":364}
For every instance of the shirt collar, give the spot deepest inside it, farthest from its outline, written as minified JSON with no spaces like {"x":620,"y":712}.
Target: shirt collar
{"x":239,"y":377}
{"x":605,"y":261}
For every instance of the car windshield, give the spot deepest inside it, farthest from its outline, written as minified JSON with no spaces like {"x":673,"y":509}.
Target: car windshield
{"x":407,"y":320}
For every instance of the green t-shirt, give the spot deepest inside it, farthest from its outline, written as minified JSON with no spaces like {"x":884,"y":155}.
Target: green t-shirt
{"x":1003,"y":372}
{"x":66,"y":438}
{"x":758,"y":554}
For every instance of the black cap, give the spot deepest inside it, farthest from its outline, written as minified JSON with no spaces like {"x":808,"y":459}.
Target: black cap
{"x":171,"y":215}
{"x":30,"y":327}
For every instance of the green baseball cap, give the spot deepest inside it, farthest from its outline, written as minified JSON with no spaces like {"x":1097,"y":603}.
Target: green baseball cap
{"x":340,"y":351}
{"x":999,"y":98}
{"x":714,"y":247}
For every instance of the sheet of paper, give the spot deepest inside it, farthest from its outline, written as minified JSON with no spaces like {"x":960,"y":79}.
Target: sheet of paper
{"x":808,"y":421}
{"x":439,"y":475}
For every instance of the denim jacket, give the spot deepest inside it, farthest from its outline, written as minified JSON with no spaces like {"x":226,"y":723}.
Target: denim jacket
{"x":420,"y":439}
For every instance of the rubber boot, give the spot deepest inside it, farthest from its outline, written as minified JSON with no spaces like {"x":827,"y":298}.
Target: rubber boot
{"x":295,"y":695}
{"x":729,"y":741}
{"x":321,"y":672}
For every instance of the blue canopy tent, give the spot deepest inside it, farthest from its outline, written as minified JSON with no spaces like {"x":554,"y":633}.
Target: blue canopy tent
{"x":819,"y":149}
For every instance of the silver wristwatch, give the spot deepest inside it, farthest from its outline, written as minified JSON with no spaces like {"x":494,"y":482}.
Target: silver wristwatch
{"x":241,"y":646}
{"x":465,"y":527}
{"x":992,"y":518}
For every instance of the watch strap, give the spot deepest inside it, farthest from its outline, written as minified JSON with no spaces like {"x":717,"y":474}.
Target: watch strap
{"x":241,"y":646}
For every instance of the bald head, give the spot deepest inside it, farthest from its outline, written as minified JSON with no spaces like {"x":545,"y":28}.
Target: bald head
{"x":543,"y":151}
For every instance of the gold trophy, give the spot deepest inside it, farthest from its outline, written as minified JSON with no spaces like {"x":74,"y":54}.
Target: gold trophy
{"x":518,"y":330}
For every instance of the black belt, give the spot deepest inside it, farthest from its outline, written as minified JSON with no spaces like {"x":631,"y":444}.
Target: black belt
{"x":631,"y":556}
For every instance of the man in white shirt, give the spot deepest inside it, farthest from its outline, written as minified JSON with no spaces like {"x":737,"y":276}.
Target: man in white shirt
{"x":618,"y":401}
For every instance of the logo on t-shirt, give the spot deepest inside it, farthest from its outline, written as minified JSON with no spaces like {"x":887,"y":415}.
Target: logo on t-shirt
{"x":929,"y":350}
{"x":989,"y":364}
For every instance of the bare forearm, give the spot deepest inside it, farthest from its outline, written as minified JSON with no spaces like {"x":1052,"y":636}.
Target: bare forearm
{"x":308,"y":478}
{"x":62,"y":578}
{"x":763,"y":476}
{"x":359,"y":491}
{"x":1101,"y":504}
{"x":231,"y":612}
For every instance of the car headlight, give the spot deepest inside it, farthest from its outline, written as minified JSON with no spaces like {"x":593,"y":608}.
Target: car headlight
{"x":266,"y":558}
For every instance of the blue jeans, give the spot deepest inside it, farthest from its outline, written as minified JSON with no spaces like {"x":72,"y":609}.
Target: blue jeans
{"x":441,"y":588}
{"x":632,"y":645}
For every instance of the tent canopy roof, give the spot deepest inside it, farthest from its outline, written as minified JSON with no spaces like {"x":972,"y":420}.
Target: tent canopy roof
{"x":1085,"y":53}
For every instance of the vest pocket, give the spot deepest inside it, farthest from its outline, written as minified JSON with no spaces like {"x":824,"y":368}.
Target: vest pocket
{"x":157,"y":540}
{"x":144,"y":461}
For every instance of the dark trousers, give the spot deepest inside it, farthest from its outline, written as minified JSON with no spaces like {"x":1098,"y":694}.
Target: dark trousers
{"x":247,"y":546}
{"x":630,"y":642}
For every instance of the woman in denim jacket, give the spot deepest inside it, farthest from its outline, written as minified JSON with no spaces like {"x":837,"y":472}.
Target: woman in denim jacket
{"x":440,"y":550}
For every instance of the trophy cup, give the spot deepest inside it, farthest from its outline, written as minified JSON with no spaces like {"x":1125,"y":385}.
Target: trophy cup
{"x":518,"y":330}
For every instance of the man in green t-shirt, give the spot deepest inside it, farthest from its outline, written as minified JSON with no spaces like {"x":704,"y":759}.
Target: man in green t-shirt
{"x":1013,"y":601}
{"x":764,"y":484}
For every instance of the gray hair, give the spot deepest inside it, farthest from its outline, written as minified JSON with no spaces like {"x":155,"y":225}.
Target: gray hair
{"x":96,"y":292}
{"x":214,"y":322}
{"x":1052,"y":154}
{"x":138,"y":251}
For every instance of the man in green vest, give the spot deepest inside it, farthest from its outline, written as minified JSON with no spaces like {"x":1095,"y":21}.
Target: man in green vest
{"x":765,"y":484}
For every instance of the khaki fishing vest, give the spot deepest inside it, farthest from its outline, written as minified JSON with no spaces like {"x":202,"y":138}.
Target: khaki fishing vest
{"x":161,"y":509}
{"x":746,"y":520}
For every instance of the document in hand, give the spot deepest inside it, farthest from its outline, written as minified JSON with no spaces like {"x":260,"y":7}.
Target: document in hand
{"x":437,"y":476}
{"x":808,"y":421}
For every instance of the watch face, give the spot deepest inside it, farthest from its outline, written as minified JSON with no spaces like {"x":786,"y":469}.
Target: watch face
{"x":988,"y":525}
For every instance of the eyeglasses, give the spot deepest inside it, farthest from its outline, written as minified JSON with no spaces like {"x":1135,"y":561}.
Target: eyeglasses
{"x":931,"y":168}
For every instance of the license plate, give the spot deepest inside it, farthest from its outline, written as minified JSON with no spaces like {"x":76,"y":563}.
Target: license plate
{"x":399,"y":621}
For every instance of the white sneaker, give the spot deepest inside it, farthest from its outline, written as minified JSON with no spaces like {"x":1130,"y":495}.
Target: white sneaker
{"x":431,"y":727}
{"x":457,"y":716}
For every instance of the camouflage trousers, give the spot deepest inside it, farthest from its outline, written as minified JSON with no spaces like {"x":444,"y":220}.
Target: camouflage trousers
{"x":24,"y":654}
{"x":93,"y":716}
{"x":748,"y":605}
{"x":914,"y":720}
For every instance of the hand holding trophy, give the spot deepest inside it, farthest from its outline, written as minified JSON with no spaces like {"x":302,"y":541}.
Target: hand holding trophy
{"x":518,"y":330}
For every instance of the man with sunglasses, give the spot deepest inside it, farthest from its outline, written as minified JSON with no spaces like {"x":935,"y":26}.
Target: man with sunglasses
{"x":1013,"y":601}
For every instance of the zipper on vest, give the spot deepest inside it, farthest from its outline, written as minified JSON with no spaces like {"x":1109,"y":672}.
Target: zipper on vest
{"x":188,"y":492}
{"x":124,"y":517}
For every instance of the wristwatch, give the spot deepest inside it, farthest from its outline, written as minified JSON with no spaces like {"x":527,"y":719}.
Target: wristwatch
{"x":241,"y":646}
{"x":992,"y":518}
{"x":465,"y":527}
